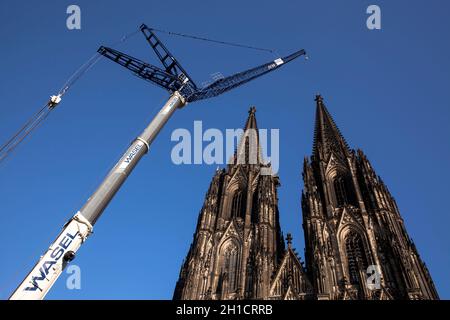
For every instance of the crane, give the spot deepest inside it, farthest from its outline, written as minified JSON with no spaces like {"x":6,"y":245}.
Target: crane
{"x":171,"y":77}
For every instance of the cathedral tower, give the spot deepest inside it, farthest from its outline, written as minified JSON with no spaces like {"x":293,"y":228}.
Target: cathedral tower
{"x":357,"y":246}
{"x":238,"y":251}
{"x":353,"y":227}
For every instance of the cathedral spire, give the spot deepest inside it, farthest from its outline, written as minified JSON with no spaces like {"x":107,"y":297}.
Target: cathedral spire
{"x":249,"y":148}
{"x":289,"y":240}
{"x":327,"y":137}
{"x":238,"y":245}
{"x":351,"y":222}
{"x":251,"y":120}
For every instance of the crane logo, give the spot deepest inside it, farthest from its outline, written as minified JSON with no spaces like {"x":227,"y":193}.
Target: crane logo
{"x":276,"y":63}
{"x":51,"y":261}
{"x":131,"y":155}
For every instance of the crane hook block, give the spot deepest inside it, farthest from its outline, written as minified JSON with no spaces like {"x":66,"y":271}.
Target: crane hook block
{"x":54,"y":101}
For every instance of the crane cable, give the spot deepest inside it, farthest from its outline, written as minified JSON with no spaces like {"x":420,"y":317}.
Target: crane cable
{"x":36,"y":120}
{"x":84,"y":68}
{"x":16,"y":138}
{"x":233,"y":44}
{"x":79,"y":73}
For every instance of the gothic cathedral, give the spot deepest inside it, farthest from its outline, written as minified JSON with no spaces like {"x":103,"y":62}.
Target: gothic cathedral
{"x":357,"y":246}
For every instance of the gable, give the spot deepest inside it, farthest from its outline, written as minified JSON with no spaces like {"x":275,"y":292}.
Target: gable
{"x":347,"y":217}
{"x":290,"y":281}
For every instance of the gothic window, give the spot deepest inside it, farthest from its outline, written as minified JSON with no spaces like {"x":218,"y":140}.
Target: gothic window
{"x":356,"y":256}
{"x":343,"y":191}
{"x":229,"y":267}
{"x":339,"y":191}
{"x":238,"y":206}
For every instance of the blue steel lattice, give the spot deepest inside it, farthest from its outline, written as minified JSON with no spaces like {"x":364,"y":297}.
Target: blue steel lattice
{"x":174,"y":78}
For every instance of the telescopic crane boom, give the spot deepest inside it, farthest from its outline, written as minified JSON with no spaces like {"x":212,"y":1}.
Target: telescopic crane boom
{"x":172,"y":77}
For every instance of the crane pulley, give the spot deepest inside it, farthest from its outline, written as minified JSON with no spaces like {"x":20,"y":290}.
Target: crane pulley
{"x":173,"y":78}
{"x":54,"y":101}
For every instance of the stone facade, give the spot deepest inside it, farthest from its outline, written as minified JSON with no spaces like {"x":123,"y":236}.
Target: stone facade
{"x":350,"y":221}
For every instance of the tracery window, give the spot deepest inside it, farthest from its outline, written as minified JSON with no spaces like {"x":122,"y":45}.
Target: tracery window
{"x":356,"y":256}
{"x":343,"y":191}
{"x":229,"y":267}
{"x":238,"y":206}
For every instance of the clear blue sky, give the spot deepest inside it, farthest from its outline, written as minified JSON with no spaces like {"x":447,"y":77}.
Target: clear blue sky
{"x":388,"y":91}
